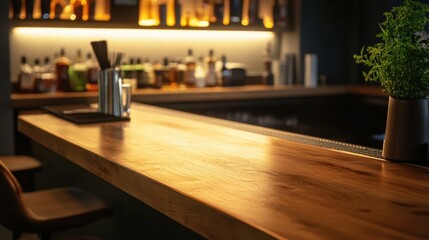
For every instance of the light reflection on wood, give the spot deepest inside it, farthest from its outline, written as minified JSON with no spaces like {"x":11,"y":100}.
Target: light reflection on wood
{"x":225,"y":183}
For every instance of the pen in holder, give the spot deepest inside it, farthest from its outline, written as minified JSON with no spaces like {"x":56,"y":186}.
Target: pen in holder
{"x":110,"y":100}
{"x":113,"y":98}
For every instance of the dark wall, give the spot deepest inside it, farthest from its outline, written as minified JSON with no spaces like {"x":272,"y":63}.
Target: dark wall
{"x":6,"y":119}
{"x":337,"y":29}
{"x":365,"y":33}
{"x":323,"y":33}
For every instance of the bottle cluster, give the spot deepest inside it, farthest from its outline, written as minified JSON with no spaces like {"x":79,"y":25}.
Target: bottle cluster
{"x":189,"y":71}
{"x":62,"y":75}
{"x":203,"y":13}
{"x":191,"y":13}
{"x":65,"y":75}
{"x":83,"y":10}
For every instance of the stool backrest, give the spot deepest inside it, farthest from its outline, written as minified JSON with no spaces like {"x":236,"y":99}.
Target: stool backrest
{"x":13,"y":213}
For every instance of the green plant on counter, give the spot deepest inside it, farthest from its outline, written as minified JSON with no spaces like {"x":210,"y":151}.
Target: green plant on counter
{"x":400,"y":62}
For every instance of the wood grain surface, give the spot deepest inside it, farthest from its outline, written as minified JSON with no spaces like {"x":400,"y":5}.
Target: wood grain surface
{"x":225,"y":183}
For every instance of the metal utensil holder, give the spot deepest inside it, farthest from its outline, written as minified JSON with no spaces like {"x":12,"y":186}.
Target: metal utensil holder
{"x":110,"y":92}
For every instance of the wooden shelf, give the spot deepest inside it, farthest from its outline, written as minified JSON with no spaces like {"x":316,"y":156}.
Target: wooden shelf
{"x":131,"y":25}
{"x":175,"y":95}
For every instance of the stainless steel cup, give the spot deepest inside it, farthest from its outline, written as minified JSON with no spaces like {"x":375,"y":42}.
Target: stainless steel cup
{"x":110,"y":92}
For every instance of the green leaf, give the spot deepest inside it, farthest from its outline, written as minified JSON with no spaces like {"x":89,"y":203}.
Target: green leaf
{"x":400,"y":61}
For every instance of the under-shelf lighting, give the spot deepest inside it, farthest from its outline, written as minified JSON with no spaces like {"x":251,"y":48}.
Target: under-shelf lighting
{"x":113,"y":33}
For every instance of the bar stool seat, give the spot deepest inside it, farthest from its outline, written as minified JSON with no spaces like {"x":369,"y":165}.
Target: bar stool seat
{"x":23,"y":167}
{"x":21,"y":163}
{"x":63,"y":208}
{"x":47,"y":211}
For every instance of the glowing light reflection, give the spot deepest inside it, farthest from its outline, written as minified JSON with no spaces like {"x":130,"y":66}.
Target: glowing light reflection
{"x":141,"y":33}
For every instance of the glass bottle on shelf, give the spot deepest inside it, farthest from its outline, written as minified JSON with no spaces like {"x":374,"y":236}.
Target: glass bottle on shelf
{"x":129,"y":73}
{"x":149,"y":13}
{"x":102,"y":10}
{"x":164,"y":71}
{"x":236,"y":10}
{"x":171,"y":13}
{"x":281,"y":13}
{"x":250,"y":15}
{"x":29,"y":5}
{"x":47,"y":81}
{"x":56,"y":8}
{"x":162,"y":10}
{"x":80,"y":9}
{"x":226,"y":12}
{"x":267,"y":75}
{"x":173,"y":73}
{"x":189,"y":61}
{"x":254,"y":18}
{"x":218,"y":10}
{"x":78,"y":74}
{"x":26,"y":83}
{"x":200,"y":74}
{"x":37,"y":73}
{"x":266,"y":13}
{"x":177,"y":13}
{"x":45,"y":9}
{"x":37,"y":9}
{"x":225,"y":73}
{"x":62,"y":65}
{"x":211,"y":76}
{"x":181,"y":70}
{"x":185,"y":20}
{"x":159,"y":74}
{"x":92,"y":73}
{"x":149,"y":73}
{"x":23,"y":10}
{"x":212,"y":13}
{"x":203,"y":12}
{"x":188,"y":11}
{"x":47,"y":66}
{"x":139,"y":74}
{"x":68,"y":11}
{"x":245,"y":19}
{"x":127,"y":69}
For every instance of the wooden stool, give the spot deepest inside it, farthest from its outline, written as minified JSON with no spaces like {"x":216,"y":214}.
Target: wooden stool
{"x":23,"y":168}
{"x":48,"y":211}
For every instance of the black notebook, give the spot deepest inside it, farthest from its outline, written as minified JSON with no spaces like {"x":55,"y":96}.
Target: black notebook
{"x":82,"y":114}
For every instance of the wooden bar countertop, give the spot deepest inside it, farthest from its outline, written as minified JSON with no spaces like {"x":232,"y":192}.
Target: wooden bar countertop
{"x":226,"y":183}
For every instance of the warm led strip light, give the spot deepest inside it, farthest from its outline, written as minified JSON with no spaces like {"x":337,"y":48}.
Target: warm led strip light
{"x":142,"y":33}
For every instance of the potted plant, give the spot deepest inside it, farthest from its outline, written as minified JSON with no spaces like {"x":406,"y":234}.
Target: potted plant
{"x":400,"y":63}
